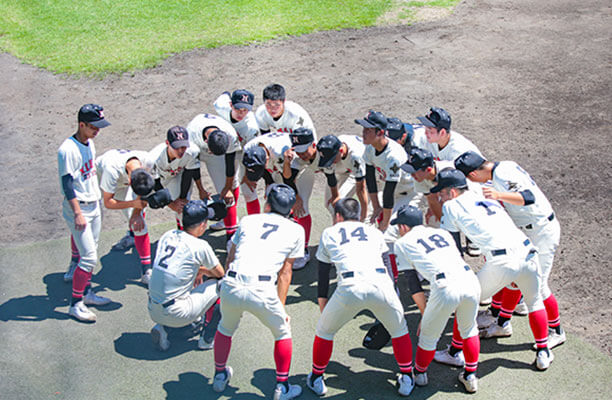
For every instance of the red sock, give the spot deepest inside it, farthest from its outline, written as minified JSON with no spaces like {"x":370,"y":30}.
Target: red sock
{"x":306,"y":223}
{"x":402,"y":350}
{"x":223,"y":345}
{"x":510,"y":299}
{"x":321,"y":353}
{"x":393,"y":262}
{"x":471,"y":351}
{"x":75,"y":250}
{"x":179,"y":225}
{"x":282,"y":358}
{"x":539,"y":327}
{"x":79,"y":282}
{"x":496,"y":301}
{"x":253,"y":207}
{"x":231,"y":219}
{"x":423,"y":359}
{"x":143,"y":247}
{"x":552,"y":311}
{"x":210,"y":311}
{"x":457,"y":341}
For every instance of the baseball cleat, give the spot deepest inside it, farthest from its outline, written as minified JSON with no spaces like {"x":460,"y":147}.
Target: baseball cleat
{"x":486,"y":302}
{"x":485,"y":319}
{"x":159,"y":336}
{"x":521,"y":309}
{"x":470,"y":383}
{"x":204,"y":345}
{"x":124,"y":244}
{"x":281,"y":392}
{"x":496,"y":331}
{"x":317,"y":384}
{"x":146,"y":277}
{"x":70,"y":273}
{"x":554,"y":339}
{"x":81,"y":312}
{"x":405,"y":384}
{"x":218,"y":226}
{"x":93,"y":299}
{"x":444,"y":357}
{"x":301,"y":262}
{"x":420,"y":379}
{"x":544,"y":358}
{"x":472,"y":250}
{"x":221,"y":379}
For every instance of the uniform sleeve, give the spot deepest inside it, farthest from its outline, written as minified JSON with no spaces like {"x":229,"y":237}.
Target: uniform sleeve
{"x":67,"y":162}
{"x":402,"y":258}
{"x":322,"y":254}
{"x":193,"y":154}
{"x":205,"y":256}
{"x":222,"y":105}
{"x":252,"y":128}
{"x":237,"y":235}
{"x":298,"y":250}
{"x":358,"y":166}
{"x":393,"y":170}
{"x":448,"y":221}
{"x":260,"y":117}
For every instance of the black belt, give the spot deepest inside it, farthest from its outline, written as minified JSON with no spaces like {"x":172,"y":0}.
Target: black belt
{"x":550,"y":218}
{"x":263,"y":278}
{"x":87,"y":202}
{"x":503,"y":252}
{"x":166,"y":304}
{"x":441,"y":275}
{"x":351,"y":274}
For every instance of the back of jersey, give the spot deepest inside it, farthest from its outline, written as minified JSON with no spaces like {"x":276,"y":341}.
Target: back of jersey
{"x":263,"y":242}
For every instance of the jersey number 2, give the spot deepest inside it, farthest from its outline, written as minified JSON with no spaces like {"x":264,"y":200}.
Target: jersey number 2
{"x":169,"y":250}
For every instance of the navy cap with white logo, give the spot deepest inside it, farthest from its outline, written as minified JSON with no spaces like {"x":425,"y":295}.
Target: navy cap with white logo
{"x":301,"y":139}
{"x":418,"y":159}
{"x":178,"y":137}
{"x":93,"y":114}
{"x":242,"y":98}
{"x":437,"y":118}
{"x":374,"y":119}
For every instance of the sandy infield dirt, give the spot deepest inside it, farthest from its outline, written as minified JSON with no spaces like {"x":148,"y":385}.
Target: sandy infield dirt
{"x":525,"y":80}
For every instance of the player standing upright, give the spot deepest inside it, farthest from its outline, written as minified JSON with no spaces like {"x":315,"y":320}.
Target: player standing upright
{"x":264,"y":249}
{"x":76,"y":159}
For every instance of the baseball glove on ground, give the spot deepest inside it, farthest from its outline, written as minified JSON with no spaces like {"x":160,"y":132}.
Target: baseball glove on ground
{"x":377,"y":337}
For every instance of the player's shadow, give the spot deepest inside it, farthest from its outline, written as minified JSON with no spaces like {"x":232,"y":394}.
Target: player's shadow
{"x":195,"y":385}
{"x":120,"y":269}
{"x":41,"y":307}
{"x":138,"y":345}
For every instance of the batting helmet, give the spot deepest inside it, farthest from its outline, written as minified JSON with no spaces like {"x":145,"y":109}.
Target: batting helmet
{"x":281,"y":198}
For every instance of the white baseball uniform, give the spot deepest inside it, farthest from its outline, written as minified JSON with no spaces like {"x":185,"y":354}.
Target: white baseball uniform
{"x":363,"y":283}
{"x":294,"y":116}
{"x":454,"y":287}
{"x":262,"y":244}
{"x":79,"y":160}
{"x":173,"y":301}
{"x":246,"y":128}
{"x":304,"y":180}
{"x":418,"y":138}
{"x":509,"y":254}
{"x":170,"y":172}
{"x":457,"y":145}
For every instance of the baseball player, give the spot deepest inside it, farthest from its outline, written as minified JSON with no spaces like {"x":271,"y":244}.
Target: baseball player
{"x":356,"y":251}
{"x":184,"y":280}
{"x":454,"y":288}
{"x":175,"y":165}
{"x":278,"y":114}
{"x":114,"y":169}
{"x":510,"y":256}
{"x":263,"y":251}
{"x":219,"y":144}
{"x":341,"y":158}
{"x":532,"y":213}
{"x":237,"y":109}
{"x":76,"y":159}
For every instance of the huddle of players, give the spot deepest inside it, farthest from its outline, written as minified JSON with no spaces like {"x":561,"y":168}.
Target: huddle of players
{"x":409,"y":161}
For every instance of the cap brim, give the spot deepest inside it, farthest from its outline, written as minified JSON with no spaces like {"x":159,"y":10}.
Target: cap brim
{"x":408,"y":168}
{"x":394,"y":221}
{"x":101,"y":123}
{"x":325,"y":162}
{"x":301,"y":148}
{"x":425,"y":121}
{"x":365,"y":123}
{"x":243,"y":106}
{"x":436,"y":189}
{"x":179,"y":143}
{"x":254,"y":174}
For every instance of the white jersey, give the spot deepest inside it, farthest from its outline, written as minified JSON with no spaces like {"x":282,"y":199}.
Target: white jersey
{"x":418,"y":138}
{"x":388,"y":162}
{"x":178,"y":258}
{"x":300,"y":165}
{"x":277,"y":144}
{"x":457,"y":145}
{"x":202,"y":122}
{"x":352,"y":246}
{"x":426,"y":185}
{"x":166,"y":169}
{"x":79,"y":160}
{"x":353,"y":163}
{"x":246,"y":129}
{"x":263,"y":242}
{"x":429,"y":251}
{"x":483,"y":221}
{"x":294,"y":116}
{"x":508,"y":176}
{"x":111,"y":168}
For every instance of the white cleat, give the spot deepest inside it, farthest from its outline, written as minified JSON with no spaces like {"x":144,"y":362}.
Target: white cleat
{"x":554,"y":339}
{"x":485,"y":319}
{"x":521,"y":309}
{"x":221,"y":380}
{"x":544,"y":359}
{"x":159,"y":336}
{"x":124,"y":244}
{"x":444,"y":357}
{"x":486,"y":302}
{"x":204,"y":345}
{"x":301,"y":262}
{"x":496,"y":331}
{"x":470,"y":383}
{"x":146,"y":277}
{"x":317,"y":385}
{"x":81,"y":312}
{"x":280,"y":393}
{"x":218,"y":226}
{"x":421,"y":379}
{"x":92,"y":299}
{"x":70,"y":273}
{"x":405,"y":384}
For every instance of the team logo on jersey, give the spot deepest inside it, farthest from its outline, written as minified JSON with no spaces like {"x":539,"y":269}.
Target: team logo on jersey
{"x":280,"y":161}
{"x":512,"y":186}
{"x":300,"y":121}
{"x":394,"y":168}
{"x":357,"y":164}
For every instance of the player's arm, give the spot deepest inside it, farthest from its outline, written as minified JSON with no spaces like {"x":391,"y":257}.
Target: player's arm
{"x":370,"y":179}
{"x":523,"y":198}
{"x":113,"y":204}
{"x":68,"y":187}
{"x":362,"y":196}
{"x":323,"y":284}
{"x":388,"y":201}
{"x":230,"y":171}
{"x":288,"y":157}
{"x":284,"y":279}
{"x":434,"y":205}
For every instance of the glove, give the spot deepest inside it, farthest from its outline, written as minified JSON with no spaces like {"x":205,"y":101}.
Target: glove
{"x":377,"y":337}
{"x":159,"y":199}
{"x":217,"y":210}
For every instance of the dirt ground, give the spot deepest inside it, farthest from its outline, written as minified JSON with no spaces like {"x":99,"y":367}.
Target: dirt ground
{"x":525,"y":80}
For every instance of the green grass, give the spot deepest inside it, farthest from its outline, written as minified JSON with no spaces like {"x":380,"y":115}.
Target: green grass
{"x":100,"y":36}
{"x":408,"y":9}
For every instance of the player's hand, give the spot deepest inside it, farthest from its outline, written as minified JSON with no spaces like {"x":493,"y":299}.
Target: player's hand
{"x":137,"y":223}
{"x":204,"y":195}
{"x":228,"y":198}
{"x":289,"y":155}
{"x":177,"y":205}
{"x":298,"y":208}
{"x":490,"y":193}
{"x":79,"y":222}
{"x":139,"y":204}
{"x":332,"y":201}
{"x":375,"y":215}
{"x":198,"y":280}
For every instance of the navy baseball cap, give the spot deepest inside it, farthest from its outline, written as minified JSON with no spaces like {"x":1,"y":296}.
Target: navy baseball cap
{"x":301,"y":139}
{"x":93,"y":114}
{"x":254,"y":161}
{"x":408,"y":215}
{"x":395,"y":128}
{"x":195,"y":212}
{"x":177,"y":137}
{"x":329,"y":147}
{"x":281,"y":198}
{"x":374,"y":119}
{"x":418,"y":159}
{"x":449,"y":178}
{"x":242,"y":98}
{"x":468,"y":162}
{"x":437,"y":118}
{"x":218,"y":142}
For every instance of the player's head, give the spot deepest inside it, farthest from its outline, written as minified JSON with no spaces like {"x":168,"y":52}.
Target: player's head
{"x":472,"y":165}
{"x":242,"y":103}
{"x":254,"y":161}
{"x":451,"y":183}
{"x":329,"y":150}
{"x":195,"y":215}
{"x":374,"y":126}
{"x":407,"y":218}
{"x":274,"y":99}
{"x":348,"y":209}
{"x":280,"y":199}
{"x":303,"y":143}
{"x":437,"y":124}
{"x":177,"y":139}
{"x":400,"y":132}
{"x":217,"y":140}
{"x":420,"y":164}
{"x":91,"y":120}
{"x":141,"y":182}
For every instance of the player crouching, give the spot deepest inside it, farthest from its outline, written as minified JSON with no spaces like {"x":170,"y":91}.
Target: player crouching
{"x":183,"y":261}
